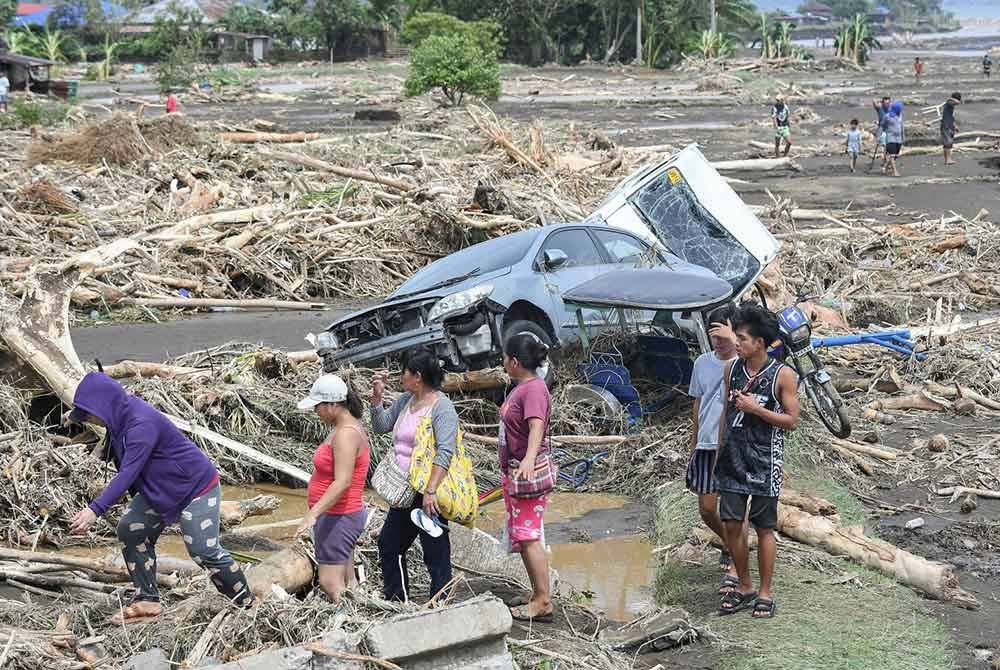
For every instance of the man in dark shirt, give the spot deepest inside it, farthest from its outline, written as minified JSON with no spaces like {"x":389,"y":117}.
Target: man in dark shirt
{"x":949,"y":127}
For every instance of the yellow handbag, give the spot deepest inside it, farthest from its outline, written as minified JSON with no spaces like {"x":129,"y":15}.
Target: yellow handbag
{"x":457,"y":494}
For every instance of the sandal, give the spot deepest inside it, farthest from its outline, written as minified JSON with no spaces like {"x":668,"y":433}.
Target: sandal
{"x":736,"y":601}
{"x":132,"y":613}
{"x":725,"y":560}
{"x":764,"y":609}
{"x":515,"y":613}
{"x":519,"y":599}
{"x":729,"y":584}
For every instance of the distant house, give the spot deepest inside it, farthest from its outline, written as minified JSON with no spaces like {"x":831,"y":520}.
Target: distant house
{"x":254,"y":47}
{"x":815,"y":13}
{"x":880,"y":16}
{"x":26,"y":72}
{"x":786,"y":18}
{"x":210,"y":12}
{"x":31,"y":14}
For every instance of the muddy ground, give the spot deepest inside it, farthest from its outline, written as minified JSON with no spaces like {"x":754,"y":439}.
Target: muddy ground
{"x":630,"y":106}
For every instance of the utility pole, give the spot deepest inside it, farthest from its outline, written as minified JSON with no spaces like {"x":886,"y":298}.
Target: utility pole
{"x":638,"y":33}
{"x":712,"y":17}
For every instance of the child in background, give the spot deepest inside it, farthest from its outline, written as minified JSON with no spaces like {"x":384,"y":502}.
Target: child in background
{"x":171,"y":104}
{"x":854,"y":143}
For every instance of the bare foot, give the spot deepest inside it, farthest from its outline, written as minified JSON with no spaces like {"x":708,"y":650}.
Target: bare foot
{"x":137,"y":611}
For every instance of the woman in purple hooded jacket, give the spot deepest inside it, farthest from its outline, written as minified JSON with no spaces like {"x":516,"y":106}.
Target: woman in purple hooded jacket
{"x":169,"y":478}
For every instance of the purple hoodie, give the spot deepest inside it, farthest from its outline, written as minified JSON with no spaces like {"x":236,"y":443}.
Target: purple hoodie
{"x":152,"y":455}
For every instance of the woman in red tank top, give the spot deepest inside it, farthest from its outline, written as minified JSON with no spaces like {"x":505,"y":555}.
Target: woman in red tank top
{"x":337,"y":513}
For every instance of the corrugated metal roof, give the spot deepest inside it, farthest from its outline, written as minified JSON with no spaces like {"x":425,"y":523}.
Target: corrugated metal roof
{"x":26,"y":61}
{"x":25,"y":8}
{"x":210,"y":10}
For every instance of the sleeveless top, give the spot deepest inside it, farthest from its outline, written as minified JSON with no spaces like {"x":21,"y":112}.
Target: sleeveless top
{"x":405,"y":434}
{"x":751,"y":459}
{"x":322,"y":477}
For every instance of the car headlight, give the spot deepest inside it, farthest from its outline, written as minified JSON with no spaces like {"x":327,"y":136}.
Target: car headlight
{"x":459,"y":302}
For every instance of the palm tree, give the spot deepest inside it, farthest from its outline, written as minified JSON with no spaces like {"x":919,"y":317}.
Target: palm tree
{"x":51,"y":44}
{"x":855,"y":41}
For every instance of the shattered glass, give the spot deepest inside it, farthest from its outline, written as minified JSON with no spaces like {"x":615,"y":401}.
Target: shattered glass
{"x":691,"y":232}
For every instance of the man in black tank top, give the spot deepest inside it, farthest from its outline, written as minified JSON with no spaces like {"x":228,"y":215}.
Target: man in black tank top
{"x":762,"y":403}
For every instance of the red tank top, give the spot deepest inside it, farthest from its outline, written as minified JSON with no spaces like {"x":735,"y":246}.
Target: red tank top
{"x":322,"y":477}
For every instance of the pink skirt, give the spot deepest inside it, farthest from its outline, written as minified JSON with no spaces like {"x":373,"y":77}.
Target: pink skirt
{"x":524,"y":519}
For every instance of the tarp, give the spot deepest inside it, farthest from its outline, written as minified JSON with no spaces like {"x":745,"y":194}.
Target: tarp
{"x":650,"y":288}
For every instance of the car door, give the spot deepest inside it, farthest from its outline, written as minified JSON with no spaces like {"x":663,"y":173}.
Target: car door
{"x":625,"y":250}
{"x":684,"y":205}
{"x":584,"y":260}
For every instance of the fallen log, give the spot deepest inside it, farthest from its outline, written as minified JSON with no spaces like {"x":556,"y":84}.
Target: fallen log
{"x":188,"y":226}
{"x":865,"y":449}
{"x":235,"y":512}
{"x":187,"y":303}
{"x":309,"y":162}
{"x":290,"y":569}
{"x":807,"y":502}
{"x":274,"y":138}
{"x":854,"y":458}
{"x":919,"y":400}
{"x":957,"y":492}
{"x":953,"y":242}
{"x":126,"y":369}
{"x":475,"y":380}
{"x":757,"y":165}
{"x":82,"y":562}
{"x":936,"y":580}
{"x":56,"y":581}
{"x":956,"y":391}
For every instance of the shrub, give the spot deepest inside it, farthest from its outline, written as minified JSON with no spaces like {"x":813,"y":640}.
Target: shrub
{"x":487,"y":34}
{"x":27,"y":113}
{"x":456,"y":65}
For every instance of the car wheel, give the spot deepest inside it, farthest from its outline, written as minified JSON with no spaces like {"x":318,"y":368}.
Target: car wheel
{"x":531,"y":328}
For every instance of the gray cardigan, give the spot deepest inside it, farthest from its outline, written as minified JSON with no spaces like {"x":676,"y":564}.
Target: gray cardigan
{"x":444,"y":419}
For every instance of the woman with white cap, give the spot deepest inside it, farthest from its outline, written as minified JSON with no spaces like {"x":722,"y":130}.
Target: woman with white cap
{"x":337,"y":512}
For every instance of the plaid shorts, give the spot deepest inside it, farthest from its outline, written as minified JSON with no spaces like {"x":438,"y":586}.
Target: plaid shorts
{"x":701,"y":472}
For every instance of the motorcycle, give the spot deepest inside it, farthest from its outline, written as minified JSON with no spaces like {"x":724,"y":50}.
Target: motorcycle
{"x":796,"y":337}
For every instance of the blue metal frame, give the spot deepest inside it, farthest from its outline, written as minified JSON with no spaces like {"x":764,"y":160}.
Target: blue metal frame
{"x":899,"y":341}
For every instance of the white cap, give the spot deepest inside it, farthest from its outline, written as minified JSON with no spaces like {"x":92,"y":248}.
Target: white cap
{"x":328,"y":388}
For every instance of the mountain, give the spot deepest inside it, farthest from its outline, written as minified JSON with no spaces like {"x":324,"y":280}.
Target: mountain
{"x":963,"y":9}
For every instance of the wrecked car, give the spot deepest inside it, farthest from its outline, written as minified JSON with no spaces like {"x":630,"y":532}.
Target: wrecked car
{"x":678,"y":213}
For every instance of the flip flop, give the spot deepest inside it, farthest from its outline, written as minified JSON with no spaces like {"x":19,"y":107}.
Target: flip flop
{"x":737,"y":601}
{"x":730,"y":584}
{"x":725,"y":560}
{"x":515,"y":613}
{"x":767,"y":609}
{"x":519,"y":599}
{"x":132,"y":614}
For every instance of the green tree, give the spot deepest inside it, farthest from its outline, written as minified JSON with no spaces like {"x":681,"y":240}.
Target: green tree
{"x":8,"y":9}
{"x":418,"y":27}
{"x":855,"y":40}
{"x":847,"y":9}
{"x":51,"y":44}
{"x":456,"y":65}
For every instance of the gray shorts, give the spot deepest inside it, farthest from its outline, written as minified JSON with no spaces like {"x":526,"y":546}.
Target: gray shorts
{"x":336,"y":534}
{"x":947,"y":137}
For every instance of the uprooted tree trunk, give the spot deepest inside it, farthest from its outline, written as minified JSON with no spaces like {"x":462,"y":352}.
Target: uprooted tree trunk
{"x":235,"y":512}
{"x":291,"y":569}
{"x":36,"y":330}
{"x":934,"y":579}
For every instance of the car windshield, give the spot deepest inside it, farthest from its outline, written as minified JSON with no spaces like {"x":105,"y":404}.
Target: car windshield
{"x":488,"y":256}
{"x":691,"y":232}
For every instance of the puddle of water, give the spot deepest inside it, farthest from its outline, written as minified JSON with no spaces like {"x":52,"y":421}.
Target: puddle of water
{"x":617,"y":571}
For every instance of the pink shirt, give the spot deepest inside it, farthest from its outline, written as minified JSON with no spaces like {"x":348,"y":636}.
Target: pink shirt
{"x":528,"y":400}
{"x":406,"y":436}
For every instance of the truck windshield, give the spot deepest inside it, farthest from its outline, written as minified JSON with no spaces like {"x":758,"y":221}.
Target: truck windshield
{"x":685,"y":227}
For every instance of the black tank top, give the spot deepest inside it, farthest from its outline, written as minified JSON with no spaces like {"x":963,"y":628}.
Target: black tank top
{"x":750,"y":457}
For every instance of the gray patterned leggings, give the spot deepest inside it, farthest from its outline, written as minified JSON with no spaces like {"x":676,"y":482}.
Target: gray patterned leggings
{"x":140,"y":528}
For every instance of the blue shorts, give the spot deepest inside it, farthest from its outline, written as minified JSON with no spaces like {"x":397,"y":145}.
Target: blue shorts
{"x":336,"y":534}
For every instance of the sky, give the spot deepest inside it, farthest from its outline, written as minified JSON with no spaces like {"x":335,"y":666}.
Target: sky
{"x":963,"y":9}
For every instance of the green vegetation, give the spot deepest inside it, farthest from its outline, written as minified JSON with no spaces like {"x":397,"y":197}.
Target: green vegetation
{"x":27,"y":113}
{"x":456,"y":65}
{"x":486,"y":34}
{"x":177,"y":71}
{"x":855,"y":40}
{"x":713,"y":45}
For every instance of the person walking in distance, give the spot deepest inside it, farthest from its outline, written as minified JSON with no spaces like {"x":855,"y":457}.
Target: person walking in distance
{"x":949,"y":126}
{"x":706,"y":389}
{"x":780,"y":116}
{"x":881,"y":108}
{"x":987,"y":64}
{"x":762,"y":404}
{"x":895,"y":136}
{"x":918,"y":69}
{"x":853,"y":143}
